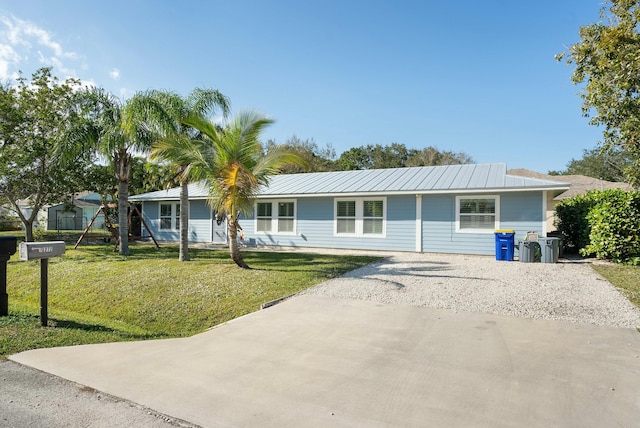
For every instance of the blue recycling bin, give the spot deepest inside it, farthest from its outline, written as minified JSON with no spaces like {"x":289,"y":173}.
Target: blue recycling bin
{"x":505,"y":243}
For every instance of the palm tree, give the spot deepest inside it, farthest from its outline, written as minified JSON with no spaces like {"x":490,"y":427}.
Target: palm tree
{"x":178,"y":141}
{"x":115,"y":130}
{"x":237,"y":168}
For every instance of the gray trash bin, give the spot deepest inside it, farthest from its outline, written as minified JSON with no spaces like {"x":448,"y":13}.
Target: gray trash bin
{"x":527,"y":251}
{"x":550,"y":248}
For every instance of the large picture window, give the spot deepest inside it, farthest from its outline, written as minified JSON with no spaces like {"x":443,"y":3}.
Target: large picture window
{"x":360,"y":216}
{"x":478,"y":215}
{"x":276,"y":216}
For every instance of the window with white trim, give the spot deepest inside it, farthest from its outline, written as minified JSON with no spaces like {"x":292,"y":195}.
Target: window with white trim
{"x":276,"y":217}
{"x":372,"y":217}
{"x":170,"y":216}
{"x":286,"y":217}
{"x":263,"y":217}
{"x":345,"y":217}
{"x":360,"y":216}
{"x":478,"y":214}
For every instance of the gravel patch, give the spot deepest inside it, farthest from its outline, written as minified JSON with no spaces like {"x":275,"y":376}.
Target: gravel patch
{"x":565,"y":291}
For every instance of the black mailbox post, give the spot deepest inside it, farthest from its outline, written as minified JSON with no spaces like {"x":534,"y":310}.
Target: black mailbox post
{"x":8,"y":245}
{"x":42,"y":251}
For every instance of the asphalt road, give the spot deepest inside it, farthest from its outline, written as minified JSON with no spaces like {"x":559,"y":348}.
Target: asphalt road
{"x":31,"y":398}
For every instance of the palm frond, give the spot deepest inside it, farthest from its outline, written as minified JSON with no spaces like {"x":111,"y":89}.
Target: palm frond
{"x":203,"y":102}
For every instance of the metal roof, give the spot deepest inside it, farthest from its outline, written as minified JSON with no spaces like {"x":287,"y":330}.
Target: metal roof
{"x":469,"y":178}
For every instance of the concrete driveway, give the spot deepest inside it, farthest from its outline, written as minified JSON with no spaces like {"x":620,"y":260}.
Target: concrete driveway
{"x":316,"y":361}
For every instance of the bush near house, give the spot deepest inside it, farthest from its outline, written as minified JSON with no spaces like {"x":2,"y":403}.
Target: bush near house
{"x":603,"y":223}
{"x":615,"y":228}
{"x":8,"y":223}
{"x":572,"y":222}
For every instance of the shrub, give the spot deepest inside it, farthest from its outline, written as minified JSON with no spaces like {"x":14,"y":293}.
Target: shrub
{"x":572,"y":219}
{"x":614,"y":223}
{"x":8,"y":223}
{"x":602,"y":223}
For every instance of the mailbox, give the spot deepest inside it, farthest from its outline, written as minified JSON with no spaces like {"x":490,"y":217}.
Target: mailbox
{"x":8,"y":245}
{"x":7,"y":249}
{"x":41,"y":250}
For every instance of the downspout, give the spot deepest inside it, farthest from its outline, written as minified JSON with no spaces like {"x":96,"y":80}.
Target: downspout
{"x":418,"y":223}
{"x":544,"y":212}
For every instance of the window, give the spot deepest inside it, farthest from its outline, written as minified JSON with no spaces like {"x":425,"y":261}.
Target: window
{"x":372,"y":217}
{"x":346,"y":217}
{"x":285,"y":216}
{"x":263,"y":217}
{"x":360,"y":217}
{"x":477,"y":214}
{"x":276,"y":216}
{"x":165,"y":216}
{"x":170,"y":216}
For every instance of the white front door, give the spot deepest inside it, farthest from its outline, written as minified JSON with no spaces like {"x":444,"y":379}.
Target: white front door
{"x":218,"y":230}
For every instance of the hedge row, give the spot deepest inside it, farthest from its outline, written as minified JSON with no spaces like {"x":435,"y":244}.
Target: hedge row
{"x":602,"y":223}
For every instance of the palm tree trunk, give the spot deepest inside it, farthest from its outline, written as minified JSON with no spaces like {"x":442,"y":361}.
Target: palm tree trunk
{"x":234,"y":249}
{"x":184,"y":221}
{"x":123,"y":217}
{"x":122,"y":165}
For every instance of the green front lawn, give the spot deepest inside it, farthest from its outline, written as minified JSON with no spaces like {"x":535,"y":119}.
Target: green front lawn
{"x":96,"y":296}
{"x":626,"y":278}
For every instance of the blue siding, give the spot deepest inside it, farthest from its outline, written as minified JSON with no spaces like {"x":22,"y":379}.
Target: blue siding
{"x":521,"y":212}
{"x":150,"y":212}
{"x":315,"y":227}
{"x":438,"y":223}
{"x":199,"y":221}
{"x":401,"y":223}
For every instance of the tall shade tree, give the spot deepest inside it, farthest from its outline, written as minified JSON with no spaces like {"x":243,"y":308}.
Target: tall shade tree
{"x":115,"y":130}
{"x":319,"y":159}
{"x":607,"y":63}
{"x":609,"y":165}
{"x":236,"y":167}
{"x":34,"y":120}
{"x":178,"y":141}
{"x":431,"y":156}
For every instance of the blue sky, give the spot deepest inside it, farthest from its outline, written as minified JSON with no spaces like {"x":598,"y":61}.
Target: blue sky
{"x":466,"y":76}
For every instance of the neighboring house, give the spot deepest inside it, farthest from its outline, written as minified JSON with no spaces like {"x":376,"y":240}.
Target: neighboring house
{"x":443,"y":209}
{"x":25,"y":207}
{"x":72,"y":215}
{"x":579,"y":185}
{"x":90,"y":204}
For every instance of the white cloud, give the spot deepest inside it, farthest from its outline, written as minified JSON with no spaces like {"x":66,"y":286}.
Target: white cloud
{"x":114,"y":74}
{"x":8,"y":59}
{"x":20,"y":39}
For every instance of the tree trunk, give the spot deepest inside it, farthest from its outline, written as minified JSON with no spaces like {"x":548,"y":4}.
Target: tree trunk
{"x":28,"y":231}
{"x":123,"y":217}
{"x":234,"y":249}
{"x":26,"y":222}
{"x":122,"y":164}
{"x":184,"y":221}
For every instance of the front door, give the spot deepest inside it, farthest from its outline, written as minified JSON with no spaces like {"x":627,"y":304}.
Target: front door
{"x":218,"y":230}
